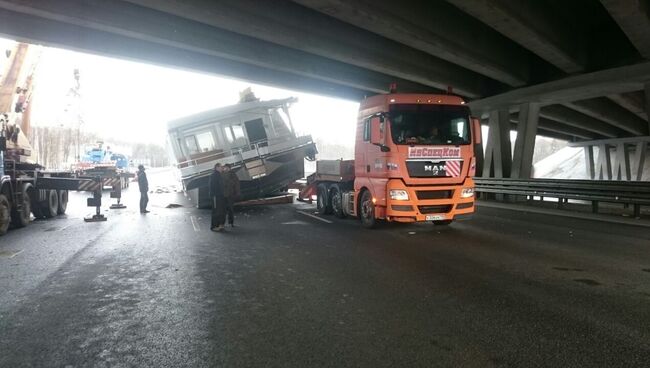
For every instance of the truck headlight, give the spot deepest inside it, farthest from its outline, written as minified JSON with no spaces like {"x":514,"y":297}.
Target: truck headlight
{"x":467,"y":192}
{"x":399,"y":195}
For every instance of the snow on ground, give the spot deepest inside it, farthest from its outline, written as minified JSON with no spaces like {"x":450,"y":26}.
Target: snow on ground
{"x":569,"y":163}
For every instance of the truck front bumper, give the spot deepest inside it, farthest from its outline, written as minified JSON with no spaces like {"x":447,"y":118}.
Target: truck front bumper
{"x":430,"y":203}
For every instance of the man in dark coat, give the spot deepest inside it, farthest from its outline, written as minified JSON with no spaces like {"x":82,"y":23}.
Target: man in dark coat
{"x":231,"y":192}
{"x":143,"y":183}
{"x":218,"y":199}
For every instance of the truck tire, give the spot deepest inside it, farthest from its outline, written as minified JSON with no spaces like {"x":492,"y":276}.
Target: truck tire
{"x":23,"y":218}
{"x":63,"y":202}
{"x":323,"y":203}
{"x":5,"y":214}
{"x":336,"y":199}
{"x":37,"y":207}
{"x":367,"y":210}
{"x":51,"y":205}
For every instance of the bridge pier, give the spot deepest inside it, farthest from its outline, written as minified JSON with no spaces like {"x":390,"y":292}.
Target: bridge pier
{"x":522,"y":167}
{"x":499,"y":160}
{"x":618,"y":159}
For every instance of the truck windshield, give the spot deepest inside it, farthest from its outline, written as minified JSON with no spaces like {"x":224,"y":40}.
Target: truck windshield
{"x":429,"y":124}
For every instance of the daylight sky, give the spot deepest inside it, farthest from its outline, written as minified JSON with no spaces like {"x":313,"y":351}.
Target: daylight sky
{"x":133,"y":101}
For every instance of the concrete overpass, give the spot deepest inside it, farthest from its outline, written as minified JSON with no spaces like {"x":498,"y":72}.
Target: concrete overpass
{"x":579,"y":70}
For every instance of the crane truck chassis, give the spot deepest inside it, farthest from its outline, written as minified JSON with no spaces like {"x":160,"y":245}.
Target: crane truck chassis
{"x":414,"y":162}
{"x":26,"y":189}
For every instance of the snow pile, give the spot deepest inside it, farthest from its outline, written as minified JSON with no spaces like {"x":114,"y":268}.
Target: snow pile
{"x":569,"y":163}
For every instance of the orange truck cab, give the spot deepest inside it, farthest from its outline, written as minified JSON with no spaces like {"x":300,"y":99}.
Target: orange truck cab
{"x":414,"y":162}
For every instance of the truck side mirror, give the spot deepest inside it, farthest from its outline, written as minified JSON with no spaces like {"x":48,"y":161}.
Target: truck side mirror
{"x":476,"y":125}
{"x":378,"y":134}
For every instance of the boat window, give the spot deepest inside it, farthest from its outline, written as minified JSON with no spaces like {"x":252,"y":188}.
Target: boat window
{"x":238,"y":130}
{"x":281,"y":119}
{"x":205,"y":141}
{"x":191,"y":144}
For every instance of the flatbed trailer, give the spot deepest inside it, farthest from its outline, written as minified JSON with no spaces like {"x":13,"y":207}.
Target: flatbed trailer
{"x":27,"y":189}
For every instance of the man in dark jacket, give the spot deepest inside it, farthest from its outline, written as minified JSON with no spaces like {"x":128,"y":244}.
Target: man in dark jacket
{"x":143,"y":183}
{"x":231,"y":192}
{"x":218,"y":199}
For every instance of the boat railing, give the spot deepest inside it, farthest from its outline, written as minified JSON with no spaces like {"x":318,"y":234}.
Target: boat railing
{"x":260,"y":147}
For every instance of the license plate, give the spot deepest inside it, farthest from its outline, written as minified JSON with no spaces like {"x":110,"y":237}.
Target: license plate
{"x":435,"y":217}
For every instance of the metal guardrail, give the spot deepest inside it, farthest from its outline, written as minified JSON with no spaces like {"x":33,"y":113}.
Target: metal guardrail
{"x":634,"y":193}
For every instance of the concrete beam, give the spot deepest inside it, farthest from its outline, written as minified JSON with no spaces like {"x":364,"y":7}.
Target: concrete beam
{"x":532,"y":25}
{"x":646,"y":93}
{"x":294,"y":26}
{"x":603,"y":109}
{"x":38,"y":30}
{"x":604,"y":163}
{"x":438,"y":29}
{"x":580,"y":87}
{"x":575,"y":119}
{"x":559,"y":128}
{"x":639,"y":160}
{"x":632,"y":101}
{"x":589,"y":161}
{"x":622,"y":163}
{"x":522,"y":162}
{"x":133,"y":21}
{"x":498,"y":155}
{"x":633,"y":16}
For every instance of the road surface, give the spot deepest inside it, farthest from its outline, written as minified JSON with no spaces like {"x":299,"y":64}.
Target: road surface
{"x":286,"y":289}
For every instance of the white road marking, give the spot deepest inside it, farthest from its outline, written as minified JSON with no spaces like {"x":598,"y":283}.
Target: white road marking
{"x":195,"y":224}
{"x":17,"y":253}
{"x":314,"y":216}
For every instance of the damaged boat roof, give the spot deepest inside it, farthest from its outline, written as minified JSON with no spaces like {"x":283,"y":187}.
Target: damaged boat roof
{"x":222,"y":112}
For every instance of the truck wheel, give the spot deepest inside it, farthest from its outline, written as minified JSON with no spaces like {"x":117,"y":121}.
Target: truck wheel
{"x":51,"y":205}
{"x":37,"y":207}
{"x":336,"y":198}
{"x":442,"y":222}
{"x":367,"y":210}
{"x":22,"y":219}
{"x":5,"y":214}
{"x":323,"y":203}
{"x":63,"y":202}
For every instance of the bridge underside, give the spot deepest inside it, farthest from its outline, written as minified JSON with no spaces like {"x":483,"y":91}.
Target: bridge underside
{"x":575,"y":70}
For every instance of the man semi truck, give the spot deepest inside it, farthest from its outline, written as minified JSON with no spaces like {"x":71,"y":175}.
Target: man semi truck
{"x":413,"y":162}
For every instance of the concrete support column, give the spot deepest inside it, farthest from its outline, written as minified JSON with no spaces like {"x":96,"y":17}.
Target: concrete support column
{"x":522,"y":167}
{"x":589,"y":161}
{"x":647,"y":103}
{"x":639,"y":162}
{"x":622,"y":164}
{"x":498,"y":159}
{"x":478,"y":156}
{"x":604,"y":166}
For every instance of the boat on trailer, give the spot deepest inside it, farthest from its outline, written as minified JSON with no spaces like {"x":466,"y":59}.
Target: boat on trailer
{"x":256,"y":137}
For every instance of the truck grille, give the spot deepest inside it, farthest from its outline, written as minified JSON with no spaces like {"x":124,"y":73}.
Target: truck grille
{"x":434,"y":209}
{"x":434,"y":194}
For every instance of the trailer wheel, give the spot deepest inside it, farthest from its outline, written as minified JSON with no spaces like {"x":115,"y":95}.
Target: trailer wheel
{"x":51,"y":205}
{"x":5,"y":214}
{"x":336,"y":198}
{"x":323,"y":203}
{"x":367,"y":210}
{"x":22,"y":219}
{"x":63,"y":202}
{"x":37,"y":206}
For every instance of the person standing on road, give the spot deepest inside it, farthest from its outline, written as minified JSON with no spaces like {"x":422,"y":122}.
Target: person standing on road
{"x":143,"y":183}
{"x":218,"y":199}
{"x":231,"y":192}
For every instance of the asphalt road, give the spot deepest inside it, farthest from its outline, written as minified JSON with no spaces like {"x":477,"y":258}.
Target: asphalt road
{"x":284,"y":289}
